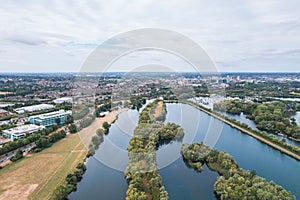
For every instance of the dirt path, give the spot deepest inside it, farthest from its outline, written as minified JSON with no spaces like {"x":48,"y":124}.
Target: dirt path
{"x":158,"y":109}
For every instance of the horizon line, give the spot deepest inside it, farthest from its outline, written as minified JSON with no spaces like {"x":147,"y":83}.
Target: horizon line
{"x":74,"y":72}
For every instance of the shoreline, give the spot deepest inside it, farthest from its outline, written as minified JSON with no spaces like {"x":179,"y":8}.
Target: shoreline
{"x":86,"y":138}
{"x":243,"y":130}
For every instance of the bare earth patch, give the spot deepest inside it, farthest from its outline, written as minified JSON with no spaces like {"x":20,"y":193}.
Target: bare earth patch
{"x":158,"y":109}
{"x":4,"y":163}
{"x":8,"y":194}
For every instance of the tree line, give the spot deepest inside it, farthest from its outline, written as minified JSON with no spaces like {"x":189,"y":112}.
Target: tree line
{"x":142,"y":171}
{"x":273,"y":117}
{"x":233,"y":182}
{"x":13,"y":145}
{"x":70,"y":185}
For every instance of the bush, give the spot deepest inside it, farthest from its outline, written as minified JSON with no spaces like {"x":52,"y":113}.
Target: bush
{"x":18,"y":156}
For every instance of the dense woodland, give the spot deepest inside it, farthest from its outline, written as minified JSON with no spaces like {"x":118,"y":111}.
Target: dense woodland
{"x":142,"y":172}
{"x":233,"y":182}
{"x":137,"y":102}
{"x":273,"y":117}
{"x":264,"y":90}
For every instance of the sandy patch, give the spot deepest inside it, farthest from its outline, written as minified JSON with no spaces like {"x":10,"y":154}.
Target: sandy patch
{"x":158,"y":109}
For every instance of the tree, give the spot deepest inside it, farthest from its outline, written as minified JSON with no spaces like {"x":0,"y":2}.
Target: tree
{"x":100,"y":132}
{"x":60,"y":193}
{"x":69,"y":119}
{"x":72,"y":128}
{"x":18,"y":156}
{"x":106,"y":125}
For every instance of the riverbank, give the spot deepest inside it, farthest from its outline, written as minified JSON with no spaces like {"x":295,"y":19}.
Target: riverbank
{"x":275,"y":146}
{"x":87,"y":133}
{"x":36,"y":176}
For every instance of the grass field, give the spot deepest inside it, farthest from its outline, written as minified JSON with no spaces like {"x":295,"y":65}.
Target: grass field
{"x":36,"y":176}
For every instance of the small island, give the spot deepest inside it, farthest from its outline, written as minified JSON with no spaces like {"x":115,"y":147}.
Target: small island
{"x":142,"y":171}
{"x":233,"y":182}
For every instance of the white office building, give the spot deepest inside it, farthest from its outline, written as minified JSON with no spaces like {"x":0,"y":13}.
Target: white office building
{"x":21,"y":131}
{"x":49,"y":119}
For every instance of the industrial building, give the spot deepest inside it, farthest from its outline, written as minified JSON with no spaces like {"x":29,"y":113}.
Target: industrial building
{"x":34,"y":108}
{"x":49,"y":119}
{"x":63,"y":100}
{"x":21,"y":131}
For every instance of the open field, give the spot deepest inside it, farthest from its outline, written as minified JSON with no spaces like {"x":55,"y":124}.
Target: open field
{"x":37,"y":175}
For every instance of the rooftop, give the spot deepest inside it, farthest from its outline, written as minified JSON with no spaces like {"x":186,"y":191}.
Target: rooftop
{"x":23,"y":129}
{"x":36,"y":107}
{"x":51,"y":114}
{"x":3,"y":111}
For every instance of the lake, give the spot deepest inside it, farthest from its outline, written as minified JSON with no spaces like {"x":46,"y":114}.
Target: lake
{"x":242,"y":118}
{"x":107,"y":182}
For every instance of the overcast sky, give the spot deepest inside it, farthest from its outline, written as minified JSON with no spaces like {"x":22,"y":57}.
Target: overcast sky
{"x":238,"y":35}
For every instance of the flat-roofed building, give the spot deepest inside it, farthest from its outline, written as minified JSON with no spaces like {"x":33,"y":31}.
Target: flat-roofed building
{"x":49,"y":119}
{"x":34,"y":108}
{"x":63,"y":100}
{"x":4,"y":104}
{"x":21,"y":131}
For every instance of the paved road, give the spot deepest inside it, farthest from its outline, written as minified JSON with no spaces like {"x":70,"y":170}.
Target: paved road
{"x":10,"y":154}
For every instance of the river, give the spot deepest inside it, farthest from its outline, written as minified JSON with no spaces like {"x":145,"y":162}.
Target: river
{"x":181,"y":182}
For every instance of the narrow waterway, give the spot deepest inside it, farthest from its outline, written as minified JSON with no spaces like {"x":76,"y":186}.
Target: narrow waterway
{"x":251,"y":123}
{"x":105,"y":182}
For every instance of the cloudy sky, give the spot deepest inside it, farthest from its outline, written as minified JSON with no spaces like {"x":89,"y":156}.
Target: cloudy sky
{"x":238,"y":35}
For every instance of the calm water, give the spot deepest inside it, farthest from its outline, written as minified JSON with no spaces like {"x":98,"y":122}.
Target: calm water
{"x":297,"y":117}
{"x":251,"y":123}
{"x":102,"y":182}
{"x":288,"y":99}
{"x":242,"y":118}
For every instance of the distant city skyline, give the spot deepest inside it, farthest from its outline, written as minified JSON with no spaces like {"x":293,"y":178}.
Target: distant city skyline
{"x":239,"y":36}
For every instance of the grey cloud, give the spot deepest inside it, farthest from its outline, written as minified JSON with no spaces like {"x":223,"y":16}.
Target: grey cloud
{"x":27,"y":41}
{"x":234,"y":33}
